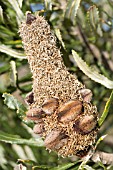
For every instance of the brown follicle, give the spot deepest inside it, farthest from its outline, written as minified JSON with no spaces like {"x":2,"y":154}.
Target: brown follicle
{"x":85,"y":124}
{"x":39,"y":128}
{"x":35,"y":114}
{"x":55,"y":139}
{"x":69,"y":110}
{"x":61,"y":107}
{"x":50,"y":105}
{"x":86,"y":94}
{"x":52,"y":138}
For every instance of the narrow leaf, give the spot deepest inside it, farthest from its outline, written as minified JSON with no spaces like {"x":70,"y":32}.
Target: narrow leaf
{"x":94,"y":75}
{"x":102,"y":165}
{"x":7,"y":50}
{"x":87,"y":167}
{"x":106,"y":109}
{"x":17,"y":9}
{"x":1,"y":14}
{"x":94,"y":19}
{"x":63,"y":167}
{"x":93,"y":16}
{"x":68,"y":9}
{"x":48,"y":4}
{"x":67,"y":166}
{"x":99,"y":140}
{"x":58,"y":34}
{"x":15,"y":139}
{"x":41,"y":167}
{"x":13,"y":76}
{"x":14,"y":104}
{"x":72,"y":8}
{"x":20,"y":3}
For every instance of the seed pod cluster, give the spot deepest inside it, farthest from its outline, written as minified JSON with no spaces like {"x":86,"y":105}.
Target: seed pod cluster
{"x":59,"y":104}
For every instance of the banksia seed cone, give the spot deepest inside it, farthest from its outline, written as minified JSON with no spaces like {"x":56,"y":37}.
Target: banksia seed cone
{"x":59,"y":105}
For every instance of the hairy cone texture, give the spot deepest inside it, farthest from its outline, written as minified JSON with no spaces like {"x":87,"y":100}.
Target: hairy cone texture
{"x":61,"y":106}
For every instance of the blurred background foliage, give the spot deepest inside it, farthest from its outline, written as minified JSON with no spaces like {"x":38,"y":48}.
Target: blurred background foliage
{"x":90,"y":34}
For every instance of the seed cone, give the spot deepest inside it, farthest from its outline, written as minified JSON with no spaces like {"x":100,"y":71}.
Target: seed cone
{"x":53,"y":84}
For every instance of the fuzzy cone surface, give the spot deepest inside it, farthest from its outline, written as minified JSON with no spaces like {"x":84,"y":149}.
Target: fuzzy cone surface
{"x":51,"y":80}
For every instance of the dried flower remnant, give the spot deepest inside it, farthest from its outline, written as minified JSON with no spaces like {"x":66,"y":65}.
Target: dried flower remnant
{"x":29,"y":98}
{"x":61,"y":106}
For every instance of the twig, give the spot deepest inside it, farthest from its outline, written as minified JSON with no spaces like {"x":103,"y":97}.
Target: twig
{"x":105,"y":158}
{"x":107,"y":63}
{"x":86,"y":42}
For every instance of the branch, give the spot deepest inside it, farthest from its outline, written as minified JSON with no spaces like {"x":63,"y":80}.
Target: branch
{"x":86,"y":42}
{"x":105,"y":158}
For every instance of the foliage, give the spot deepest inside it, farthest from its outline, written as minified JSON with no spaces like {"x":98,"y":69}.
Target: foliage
{"x":81,"y":26}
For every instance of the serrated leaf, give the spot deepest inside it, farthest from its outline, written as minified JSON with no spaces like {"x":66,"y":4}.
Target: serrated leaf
{"x":15,"y":139}
{"x":106,"y":109}
{"x":14,"y":104}
{"x":94,"y":19}
{"x":58,"y":34}
{"x":93,"y":16}
{"x":94,"y":75}
{"x":7,"y":50}
{"x":72,"y":8}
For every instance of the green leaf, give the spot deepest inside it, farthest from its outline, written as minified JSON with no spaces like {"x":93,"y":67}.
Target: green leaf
{"x":102,"y":165}
{"x":7,"y":50}
{"x":13,"y":77}
{"x":4,"y":82}
{"x":94,"y":19}
{"x":48,"y":5}
{"x":15,"y":139}
{"x":72,"y":8}
{"x":106,"y":109}
{"x":99,"y":140}
{"x":4,"y":66}
{"x":17,"y":9}
{"x":14,"y":104}
{"x":3,"y":160}
{"x":20,"y":3}
{"x":1,"y":14}
{"x":59,"y":36}
{"x":87,"y":167}
{"x":64,"y":167}
{"x":93,"y":14}
{"x":94,"y":75}
{"x":41,"y":167}
{"x":29,"y":163}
